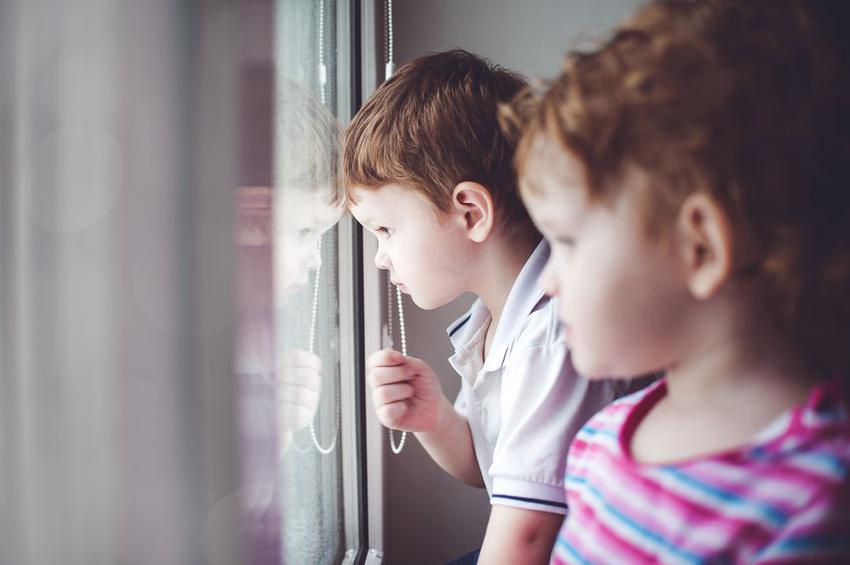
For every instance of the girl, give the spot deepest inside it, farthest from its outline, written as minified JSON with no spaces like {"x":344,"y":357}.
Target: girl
{"x":690,"y":176}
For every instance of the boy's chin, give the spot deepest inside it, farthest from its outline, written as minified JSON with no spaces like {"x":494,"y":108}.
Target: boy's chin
{"x":425,"y":303}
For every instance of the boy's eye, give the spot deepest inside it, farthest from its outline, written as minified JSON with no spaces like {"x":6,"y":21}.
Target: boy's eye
{"x":566,"y":241}
{"x":304,"y":232}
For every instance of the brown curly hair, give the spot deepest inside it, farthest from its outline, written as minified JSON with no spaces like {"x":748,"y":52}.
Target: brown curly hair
{"x":747,"y":100}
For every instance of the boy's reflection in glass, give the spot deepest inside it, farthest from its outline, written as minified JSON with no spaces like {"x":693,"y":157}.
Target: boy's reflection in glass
{"x":278,"y":234}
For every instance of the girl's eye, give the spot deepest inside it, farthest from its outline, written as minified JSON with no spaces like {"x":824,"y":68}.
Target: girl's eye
{"x":386,"y":232}
{"x":565,"y":241}
{"x":304,"y":232}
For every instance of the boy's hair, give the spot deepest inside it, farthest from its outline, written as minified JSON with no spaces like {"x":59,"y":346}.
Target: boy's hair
{"x":432,"y":125}
{"x":748,"y":101}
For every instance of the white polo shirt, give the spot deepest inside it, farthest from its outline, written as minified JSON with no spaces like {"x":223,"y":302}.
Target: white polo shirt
{"x":525,"y":402}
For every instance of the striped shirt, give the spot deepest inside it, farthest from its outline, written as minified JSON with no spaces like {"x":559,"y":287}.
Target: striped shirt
{"x":784,"y":498}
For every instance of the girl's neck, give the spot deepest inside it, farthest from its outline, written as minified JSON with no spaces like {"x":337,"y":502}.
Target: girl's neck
{"x":723,"y":393}
{"x":740,"y":358}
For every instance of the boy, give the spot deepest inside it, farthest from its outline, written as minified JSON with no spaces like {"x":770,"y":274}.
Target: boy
{"x":428,"y":171}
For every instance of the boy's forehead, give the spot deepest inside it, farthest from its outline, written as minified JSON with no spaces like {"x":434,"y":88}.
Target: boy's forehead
{"x":361,"y":204}
{"x":387,"y":199}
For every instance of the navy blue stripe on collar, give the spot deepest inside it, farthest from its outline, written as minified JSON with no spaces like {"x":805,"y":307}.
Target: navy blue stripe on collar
{"x":459,"y":324}
{"x":531,"y":500}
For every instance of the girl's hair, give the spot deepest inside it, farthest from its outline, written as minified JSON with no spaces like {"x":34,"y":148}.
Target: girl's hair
{"x":747,"y":100}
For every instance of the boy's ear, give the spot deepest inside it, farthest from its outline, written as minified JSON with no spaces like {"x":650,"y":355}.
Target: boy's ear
{"x":473,"y":204}
{"x":705,"y":244}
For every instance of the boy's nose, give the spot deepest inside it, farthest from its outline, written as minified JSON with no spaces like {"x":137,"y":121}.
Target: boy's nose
{"x":382,"y":260}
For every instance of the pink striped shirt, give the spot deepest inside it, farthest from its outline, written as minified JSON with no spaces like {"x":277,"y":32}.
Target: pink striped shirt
{"x":783,"y":498}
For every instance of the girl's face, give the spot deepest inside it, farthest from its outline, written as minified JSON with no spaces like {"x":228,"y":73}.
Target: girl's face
{"x":622,"y":295}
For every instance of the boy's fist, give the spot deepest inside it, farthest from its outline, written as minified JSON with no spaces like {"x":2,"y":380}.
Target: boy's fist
{"x":406,"y":393}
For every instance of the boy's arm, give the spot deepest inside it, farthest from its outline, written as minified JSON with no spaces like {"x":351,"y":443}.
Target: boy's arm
{"x":450,"y":445}
{"x":407,"y":396}
{"x":543,"y":404}
{"x":519,"y":535}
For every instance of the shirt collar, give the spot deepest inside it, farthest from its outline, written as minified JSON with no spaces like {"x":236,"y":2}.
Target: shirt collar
{"x":462,"y":330}
{"x":524,"y":296}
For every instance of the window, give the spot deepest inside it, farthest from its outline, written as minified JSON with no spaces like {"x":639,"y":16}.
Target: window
{"x":165,"y":175}
{"x":296,"y":438}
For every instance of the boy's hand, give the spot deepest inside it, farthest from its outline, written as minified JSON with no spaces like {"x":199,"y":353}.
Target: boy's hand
{"x":405,"y":392}
{"x":299,"y":386}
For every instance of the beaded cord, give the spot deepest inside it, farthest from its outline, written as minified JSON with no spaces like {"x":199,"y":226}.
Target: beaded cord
{"x":403,"y":335}
{"x":314,"y":317}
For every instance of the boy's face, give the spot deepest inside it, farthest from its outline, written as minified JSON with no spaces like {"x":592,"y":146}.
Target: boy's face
{"x":620,"y":293}
{"x":302,"y":217}
{"x":425,"y":252}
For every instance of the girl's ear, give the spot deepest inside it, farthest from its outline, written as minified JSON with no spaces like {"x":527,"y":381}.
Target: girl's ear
{"x":473,"y":205}
{"x":705,"y":244}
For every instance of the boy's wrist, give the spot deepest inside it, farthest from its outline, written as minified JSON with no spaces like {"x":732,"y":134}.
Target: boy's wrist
{"x":442,"y":419}
{"x":444,"y":413}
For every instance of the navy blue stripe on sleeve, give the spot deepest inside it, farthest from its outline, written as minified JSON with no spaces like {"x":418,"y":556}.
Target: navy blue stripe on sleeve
{"x":532,"y":500}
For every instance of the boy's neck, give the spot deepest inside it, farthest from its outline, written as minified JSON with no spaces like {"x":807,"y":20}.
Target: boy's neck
{"x":497,"y":269}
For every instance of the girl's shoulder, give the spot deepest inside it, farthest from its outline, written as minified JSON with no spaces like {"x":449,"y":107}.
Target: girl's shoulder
{"x":611,"y":419}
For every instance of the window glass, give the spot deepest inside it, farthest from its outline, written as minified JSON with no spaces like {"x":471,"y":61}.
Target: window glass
{"x":288,"y":339}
